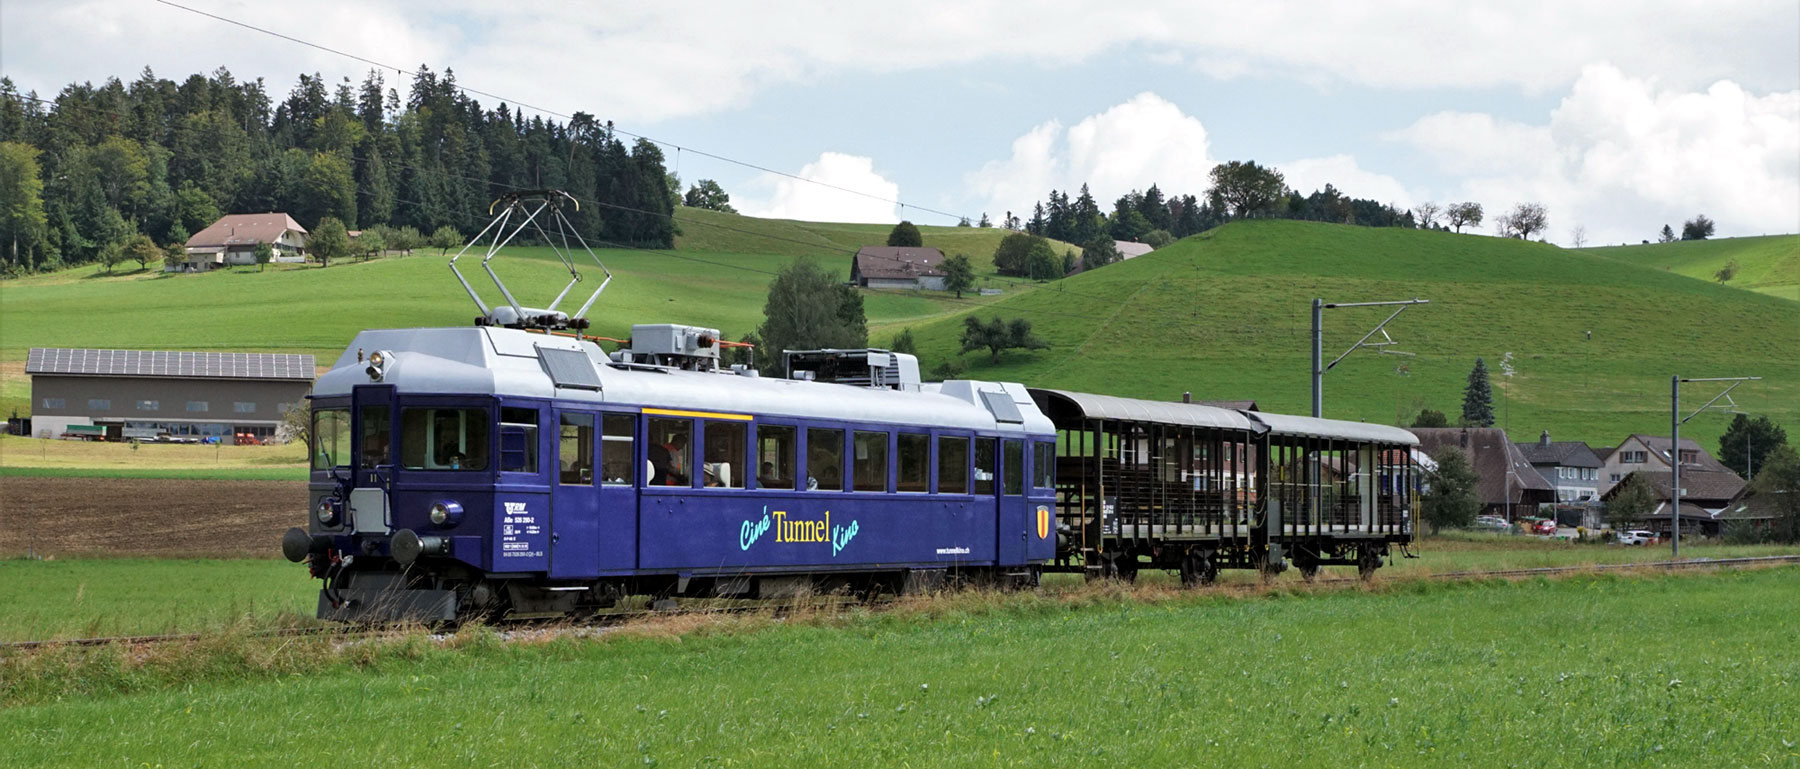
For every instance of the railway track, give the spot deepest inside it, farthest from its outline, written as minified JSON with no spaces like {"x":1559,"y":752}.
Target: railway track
{"x":610,"y":619}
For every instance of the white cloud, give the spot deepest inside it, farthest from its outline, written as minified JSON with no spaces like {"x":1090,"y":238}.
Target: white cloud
{"x":1146,"y":140}
{"x":1622,"y":156}
{"x":649,"y":60}
{"x":792,"y":199}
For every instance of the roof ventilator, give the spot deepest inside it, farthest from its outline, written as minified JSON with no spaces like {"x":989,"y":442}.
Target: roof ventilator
{"x":870,"y":367}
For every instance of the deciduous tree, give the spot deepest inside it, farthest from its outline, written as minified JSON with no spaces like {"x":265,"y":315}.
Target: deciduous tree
{"x":808,"y":309}
{"x":1747,"y":443}
{"x":23,"y":225}
{"x":1012,"y":256}
{"x":142,"y":249}
{"x":1633,"y":500}
{"x":1452,"y":496}
{"x":1042,"y":263}
{"x":1523,"y":220}
{"x":1465,"y":214}
{"x":1697,"y":228}
{"x":1778,"y":481}
{"x":1426,"y":214}
{"x":1098,"y":253}
{"x":905,"y":235}
{"x":959,"y":274}
{"x":1247,"y":188}
{"x":445,"y":238}
{"x":329,"y":241}
{"x":1430,"y":418}
{"x":997,"y":336}
{"x":707,"y":194}
{"x":263,"y":253}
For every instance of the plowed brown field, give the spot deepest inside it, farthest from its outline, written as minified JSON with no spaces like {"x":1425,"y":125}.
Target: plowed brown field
{"x":143,"y":516}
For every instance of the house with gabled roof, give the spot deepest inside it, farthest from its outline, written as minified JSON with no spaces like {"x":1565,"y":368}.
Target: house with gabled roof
{"x":1651,"y":453}
{"x":1705,"y":495}
{"x":234,"y":237}
{"x":898,"y":267}
{"x":1570,"y":466}
{"x":1508,"y":481}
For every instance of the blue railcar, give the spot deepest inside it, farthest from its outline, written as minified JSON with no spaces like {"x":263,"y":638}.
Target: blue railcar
{"x":460,"y":471}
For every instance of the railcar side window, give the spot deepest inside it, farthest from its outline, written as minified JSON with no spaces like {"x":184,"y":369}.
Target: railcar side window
{"x":871,"y":461}
{"x":575,"y":450}
{"x":914,"y":471}
{"x":726,"y":449}
{"x":518,"y":453}
{"x":444,"y":439}
{"x":775,"y":447}
{"x":376,"y":429}
{"x":824,"y":459}
{"x":670,"y":451}
{"x":1043,"y":464}
{"x":1015,"y":468}
{"x":984,"y":465}
{"x":331,"y":438}
{"x":618,"y":449}
{"x":953,"y":465}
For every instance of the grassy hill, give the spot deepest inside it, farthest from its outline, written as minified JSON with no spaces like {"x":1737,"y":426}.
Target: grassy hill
{"x":1768,"y":264}
{"x":715,"y":277}
{"x":1223,"y":314}
{"x":1226,"y":315}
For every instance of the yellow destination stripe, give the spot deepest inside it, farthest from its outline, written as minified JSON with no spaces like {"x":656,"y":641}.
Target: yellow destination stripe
{"x":701,"y":414}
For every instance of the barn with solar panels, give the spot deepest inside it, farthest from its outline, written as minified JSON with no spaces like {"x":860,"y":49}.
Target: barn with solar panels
{"x":163,"y":395}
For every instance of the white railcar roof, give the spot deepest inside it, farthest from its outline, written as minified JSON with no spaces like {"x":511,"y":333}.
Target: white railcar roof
{"x":1336,"y":429}
{"x":1095,"y":406}
{"x":500,"y":361}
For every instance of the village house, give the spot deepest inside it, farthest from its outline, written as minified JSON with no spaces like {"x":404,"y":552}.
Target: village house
{"x":1570,"y":466}
{"x":1705,"y":496}
{"x":234,"y":237}
{"x":1509,"y":484}
{"x":1650,"y":452}
{"x":898,"y":267}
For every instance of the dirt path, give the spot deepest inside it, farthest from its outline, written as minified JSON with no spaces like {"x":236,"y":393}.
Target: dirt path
{"x":147,"y":517}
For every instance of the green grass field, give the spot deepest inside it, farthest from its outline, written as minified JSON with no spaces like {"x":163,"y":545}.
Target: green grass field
{"x":1768,"y":264}
{"x":1226,"y":315}
{"x":1692,"y":670}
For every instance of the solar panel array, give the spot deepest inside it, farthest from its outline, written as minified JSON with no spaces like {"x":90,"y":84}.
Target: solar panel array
{"x":157,"y":363}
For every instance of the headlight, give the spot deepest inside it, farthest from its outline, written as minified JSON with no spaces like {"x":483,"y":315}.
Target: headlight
{"x":327,"y":512}
{"x":446,"y":513}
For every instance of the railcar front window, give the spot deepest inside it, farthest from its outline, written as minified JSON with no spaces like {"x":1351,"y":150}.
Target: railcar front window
{"x":726,"y":448}
{"x":824,"y":460}
{"x":330,"y":438}
{"x":443,"y":439}
{"x":376,"y":429}
{"x":871,"y":465}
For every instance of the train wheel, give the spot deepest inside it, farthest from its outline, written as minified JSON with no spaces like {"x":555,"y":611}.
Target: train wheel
{"x":1198,"y":569}
{"x":1367,"y":561}
{"x":1309,"y":571}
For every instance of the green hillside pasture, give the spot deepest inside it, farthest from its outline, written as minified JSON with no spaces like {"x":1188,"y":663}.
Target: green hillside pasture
{"x":1769,"y":264}
{"x":711,"y":231}
{"x":1226,"y":315}
{"x":1695,"y":670}
{"x":319,"y":310}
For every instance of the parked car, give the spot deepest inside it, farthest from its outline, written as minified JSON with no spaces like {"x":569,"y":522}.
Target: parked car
{"x":1636,"y":537}
{"x":1491,"y":523}
{"x":1546,"y":528}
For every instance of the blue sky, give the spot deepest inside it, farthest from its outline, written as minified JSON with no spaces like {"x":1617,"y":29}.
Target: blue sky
{"x":1618,"y":117}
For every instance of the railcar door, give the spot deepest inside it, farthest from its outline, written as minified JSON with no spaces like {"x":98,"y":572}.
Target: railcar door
{"x":575,"y":497}
{"x":617,"y":515}
{"x":1013,"y":530}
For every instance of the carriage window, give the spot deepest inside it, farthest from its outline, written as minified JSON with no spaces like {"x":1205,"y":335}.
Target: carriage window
{"x":1043,"y":465}
{"x":953,"y":465}
{"x":914,"y":471}
{"x":671,"y":456}
{"x":725,"y":452}
{"x":1015,"y":468}
{"x":617,"y":449}
{"x":871,"y":461}
{"x":518,"y":440}
{"x":824,"y":460}
{"x":575,"y":450}
{"x":444,"y":439}
{"x":775,"y":446}
{"x":331,"y":438}
{"x":984,"y":465}
{"x":376,"y":429}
